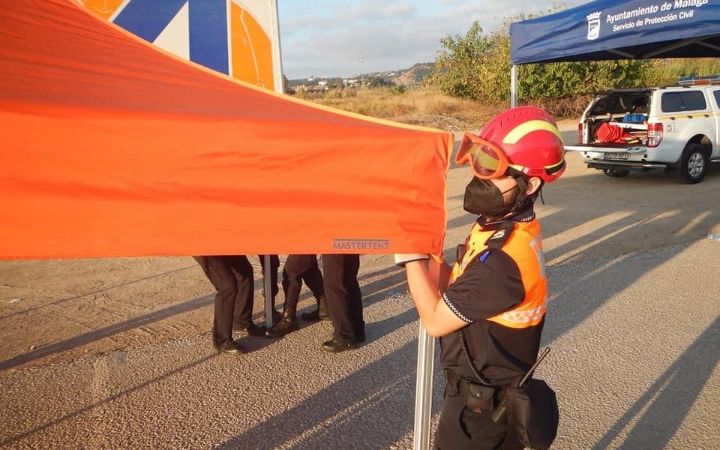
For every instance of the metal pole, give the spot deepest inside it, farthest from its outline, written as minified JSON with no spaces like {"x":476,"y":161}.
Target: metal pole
{"x":279,"y":88}
{"x":267,"y":285}
{"x":513,"y":86}
{"x":423,"y":389}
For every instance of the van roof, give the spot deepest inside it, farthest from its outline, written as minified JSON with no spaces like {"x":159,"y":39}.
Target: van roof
{"x":628,"y":91}
{"x":652,"y":89}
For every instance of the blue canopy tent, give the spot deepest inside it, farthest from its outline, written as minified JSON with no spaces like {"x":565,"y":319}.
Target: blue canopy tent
{"x":611,"y":29}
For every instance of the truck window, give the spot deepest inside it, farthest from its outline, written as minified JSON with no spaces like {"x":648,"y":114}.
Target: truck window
{"x":683,"y":101}
{"x":717,"y":97}
{"x":603,"y":105}
{"x":620,"y":104}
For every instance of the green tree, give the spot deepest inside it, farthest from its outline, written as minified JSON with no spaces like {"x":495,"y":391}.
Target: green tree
{"x":457,"y":64}
{"x":668,"y":71}
{"x":477,"y":66}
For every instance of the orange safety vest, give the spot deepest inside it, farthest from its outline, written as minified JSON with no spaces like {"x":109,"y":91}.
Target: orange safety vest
{"x":524,"y":246}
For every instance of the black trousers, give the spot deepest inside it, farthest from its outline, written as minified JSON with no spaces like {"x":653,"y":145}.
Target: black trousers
{"x":299,"y":268}
{"x":344,"y":298}
{"x":463,"y":429}
{"x":232,"y":277}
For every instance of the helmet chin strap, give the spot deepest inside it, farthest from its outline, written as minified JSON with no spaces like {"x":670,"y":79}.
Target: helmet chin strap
{"x":522,"y":185}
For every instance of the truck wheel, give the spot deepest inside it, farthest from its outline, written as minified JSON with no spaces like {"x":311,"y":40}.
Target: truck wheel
{"x":693,"y":164}
{"x":616,"y":173}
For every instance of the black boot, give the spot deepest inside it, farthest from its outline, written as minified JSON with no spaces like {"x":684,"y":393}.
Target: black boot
{"x":251,"y":330}
{"x":321,"y":313}
{"x":285,"y":326}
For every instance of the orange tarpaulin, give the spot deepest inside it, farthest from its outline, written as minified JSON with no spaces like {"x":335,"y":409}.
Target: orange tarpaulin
{"x":111,"y":147}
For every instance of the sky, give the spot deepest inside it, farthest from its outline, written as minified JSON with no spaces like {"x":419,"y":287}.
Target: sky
{"x":326,"y":38}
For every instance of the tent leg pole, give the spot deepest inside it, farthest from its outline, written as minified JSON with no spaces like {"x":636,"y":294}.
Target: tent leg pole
{"x":513,"y":86}
{"x":267,"y":286}
{"x":423,"y":389}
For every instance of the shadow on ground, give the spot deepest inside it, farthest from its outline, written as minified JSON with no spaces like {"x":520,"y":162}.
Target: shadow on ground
{"x":665,"y":404}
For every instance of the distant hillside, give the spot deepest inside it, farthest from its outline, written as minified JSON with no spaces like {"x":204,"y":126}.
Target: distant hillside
{"x":408,"y":77}
{"x":413,"y":76}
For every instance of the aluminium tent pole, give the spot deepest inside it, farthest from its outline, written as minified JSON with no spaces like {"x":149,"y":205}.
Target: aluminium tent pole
{"x":267,"y":287}
{"x":423,"y":389}
{"x":513,"y":86}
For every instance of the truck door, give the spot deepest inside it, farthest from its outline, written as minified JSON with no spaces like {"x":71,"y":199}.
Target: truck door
{"x":691,"y":114}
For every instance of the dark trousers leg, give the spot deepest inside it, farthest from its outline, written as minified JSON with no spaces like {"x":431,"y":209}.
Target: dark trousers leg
{"x":313,"y":279}
{"x":246,"y":292}
{"x":344,"y":298}
{"x":292,"y":281}
{"x":299,"y":268}
{"x":233,"y":281}
{"x":274,"y":268}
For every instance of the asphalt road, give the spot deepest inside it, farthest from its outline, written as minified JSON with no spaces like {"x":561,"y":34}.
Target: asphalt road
{"x":633,"y":322}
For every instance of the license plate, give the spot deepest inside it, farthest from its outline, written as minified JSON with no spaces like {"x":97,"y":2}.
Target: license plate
{"x":616,"y":156}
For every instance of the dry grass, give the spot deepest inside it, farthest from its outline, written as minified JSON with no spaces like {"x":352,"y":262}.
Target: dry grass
{"x":567,"y":108}
{"x":418,"y":106}
{"x":427,"y":106}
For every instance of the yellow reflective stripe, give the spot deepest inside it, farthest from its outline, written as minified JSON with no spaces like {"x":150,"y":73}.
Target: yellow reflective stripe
{"x":523,"y":129}
{"x":521,"y":318}
{"x":552,"y":166}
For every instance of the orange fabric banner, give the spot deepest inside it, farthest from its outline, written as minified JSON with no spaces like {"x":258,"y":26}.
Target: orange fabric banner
{"x":111,"y":147}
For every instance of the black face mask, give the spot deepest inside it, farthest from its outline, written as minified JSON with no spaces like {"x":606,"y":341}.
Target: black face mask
{"x":484,"y":198}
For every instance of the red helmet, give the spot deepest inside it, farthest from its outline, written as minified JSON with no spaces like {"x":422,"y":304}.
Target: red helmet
{"x":525,"y":139}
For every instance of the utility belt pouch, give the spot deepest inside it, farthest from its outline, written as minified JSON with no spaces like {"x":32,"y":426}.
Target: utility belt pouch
{"x":478,"y":398}
{"x":533,"y":414}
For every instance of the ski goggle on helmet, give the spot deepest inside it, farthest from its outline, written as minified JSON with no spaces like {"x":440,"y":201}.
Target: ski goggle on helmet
{"x":524,"y":139}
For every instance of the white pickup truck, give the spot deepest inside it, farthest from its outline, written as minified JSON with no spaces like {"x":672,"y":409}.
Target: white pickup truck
{"x":675,"y":128}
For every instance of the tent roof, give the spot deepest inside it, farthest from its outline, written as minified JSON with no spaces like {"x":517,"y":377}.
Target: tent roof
{"x":112,"y":147}
{"x":608,"y":29}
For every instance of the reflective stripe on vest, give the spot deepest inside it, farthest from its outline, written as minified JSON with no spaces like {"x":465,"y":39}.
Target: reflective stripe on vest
{"x":524,"y":246}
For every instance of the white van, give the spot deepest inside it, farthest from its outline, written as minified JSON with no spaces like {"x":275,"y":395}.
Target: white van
{"x":674,"y":128}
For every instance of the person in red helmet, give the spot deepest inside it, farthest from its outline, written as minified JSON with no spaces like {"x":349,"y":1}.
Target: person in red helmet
{"x":489,"y":309}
